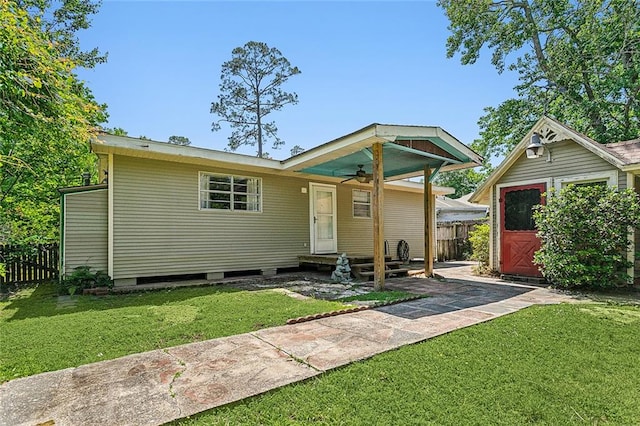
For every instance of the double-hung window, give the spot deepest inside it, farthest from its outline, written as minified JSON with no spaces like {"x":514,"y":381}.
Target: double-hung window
{"x":361,"y":203}
{"x":226,"y":192}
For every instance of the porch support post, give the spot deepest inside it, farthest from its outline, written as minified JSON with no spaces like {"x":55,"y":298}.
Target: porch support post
{"x":429,"y":209}
{"x":378,"y":218}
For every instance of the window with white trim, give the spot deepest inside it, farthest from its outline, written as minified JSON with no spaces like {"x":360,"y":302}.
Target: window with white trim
{"x":227,"y":192}
{"x":361,"y":203}
{"x":609,"y":178}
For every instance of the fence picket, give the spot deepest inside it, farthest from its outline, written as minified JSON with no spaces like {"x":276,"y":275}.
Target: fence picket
{"x":453,"y":237}
{"x":24,"y":265}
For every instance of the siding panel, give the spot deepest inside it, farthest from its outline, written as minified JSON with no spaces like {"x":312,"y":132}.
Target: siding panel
{"x":159,"y":229}
{"x":85,"y":230}
{"x":567,"y":159}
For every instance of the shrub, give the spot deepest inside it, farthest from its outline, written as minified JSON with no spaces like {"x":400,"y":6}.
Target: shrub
{"x":479,"y":239}
{"x":82,"y":277}
{"x":584,"y":231}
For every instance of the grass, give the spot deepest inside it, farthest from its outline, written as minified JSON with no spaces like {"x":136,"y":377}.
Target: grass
{"x":382,"y":296}
{"x":39,"y":334}
{"x":546,"y":365}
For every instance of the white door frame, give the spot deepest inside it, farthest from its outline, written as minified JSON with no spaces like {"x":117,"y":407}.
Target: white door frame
{"x":313,"y":220}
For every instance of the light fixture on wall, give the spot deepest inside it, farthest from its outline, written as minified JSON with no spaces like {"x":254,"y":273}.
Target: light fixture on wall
{"x":535,"y":148}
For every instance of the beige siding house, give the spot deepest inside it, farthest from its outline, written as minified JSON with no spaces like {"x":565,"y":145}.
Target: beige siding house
{"x":519,"y":182}
{"x":168,"y":210}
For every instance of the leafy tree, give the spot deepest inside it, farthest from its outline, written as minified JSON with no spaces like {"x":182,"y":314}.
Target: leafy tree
{"x":464,"y":181}
{"x":251,"y":89}
{"x":584,"y":232}
{"x":577,"y":60}
{"x":179,"y":140}
{"x":47,"y":115}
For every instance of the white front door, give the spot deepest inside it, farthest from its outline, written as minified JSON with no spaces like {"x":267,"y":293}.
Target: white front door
{"x":324,"y":232}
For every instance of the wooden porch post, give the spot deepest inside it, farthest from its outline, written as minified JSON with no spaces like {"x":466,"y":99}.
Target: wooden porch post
{"x":378,"y":218}
{"x":429,"y":209}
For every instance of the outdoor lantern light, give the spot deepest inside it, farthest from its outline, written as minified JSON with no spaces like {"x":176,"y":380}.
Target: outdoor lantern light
{"x":535,"y":148}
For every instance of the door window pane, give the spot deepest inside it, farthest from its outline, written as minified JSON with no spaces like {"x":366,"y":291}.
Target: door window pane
{"x":324,"y":202}
{"x":518,"y":209}
{"x":325,"y":227}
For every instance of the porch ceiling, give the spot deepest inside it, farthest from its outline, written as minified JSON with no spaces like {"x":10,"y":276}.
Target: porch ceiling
{"x":406,"y":150}
{"x":402,"y":158}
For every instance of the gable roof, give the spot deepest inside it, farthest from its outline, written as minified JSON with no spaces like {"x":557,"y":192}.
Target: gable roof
{"x":551,"y":131}
{"x":406,"y":151}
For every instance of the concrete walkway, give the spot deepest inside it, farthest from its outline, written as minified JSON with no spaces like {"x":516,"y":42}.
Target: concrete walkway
{"x":155,"y":387}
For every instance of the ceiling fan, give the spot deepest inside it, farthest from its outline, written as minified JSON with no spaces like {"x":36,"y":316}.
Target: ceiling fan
{"x":360,"y":175}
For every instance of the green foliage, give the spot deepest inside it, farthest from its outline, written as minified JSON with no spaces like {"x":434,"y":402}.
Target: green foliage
{"x":382,"y":296}
{"x":584,"y":232}
{"x":82,"y":277}
{"x":464,"y":181}
{"x":116,"y":131}
{"x":249,"y":91}
{"x":479,"y":239}
{"x":40,"y":334}
{"x":2,"y":270}
{"x":578,"y":61}
{"x":179,"y":140}
{"x":47,"y":116}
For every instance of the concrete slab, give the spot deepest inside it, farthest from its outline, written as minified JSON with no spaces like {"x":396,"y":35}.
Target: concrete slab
{"x":217,"y":372}
{"x":91,"y":393}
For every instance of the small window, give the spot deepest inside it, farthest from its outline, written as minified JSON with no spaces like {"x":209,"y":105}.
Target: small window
{"x":518,"y":209}
{"x":223,"y":192}
{"x":361,"y":203}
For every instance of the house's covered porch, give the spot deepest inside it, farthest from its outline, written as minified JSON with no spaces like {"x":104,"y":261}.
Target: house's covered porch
{"x":379,"y":153}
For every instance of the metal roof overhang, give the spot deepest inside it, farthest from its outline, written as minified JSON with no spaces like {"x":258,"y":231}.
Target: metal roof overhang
{"x":407,"y":150}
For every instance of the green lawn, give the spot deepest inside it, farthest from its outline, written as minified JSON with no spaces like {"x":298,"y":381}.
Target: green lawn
{"x":380,"y":296}
{"x":547,"y":365}
{"x":38,"y":334}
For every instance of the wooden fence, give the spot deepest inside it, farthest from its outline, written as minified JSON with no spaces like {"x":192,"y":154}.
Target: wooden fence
{"x":453,"y":239}
{"x":31,"y":264}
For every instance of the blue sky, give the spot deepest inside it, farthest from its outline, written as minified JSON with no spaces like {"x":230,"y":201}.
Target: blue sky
{"x":361,"y":61}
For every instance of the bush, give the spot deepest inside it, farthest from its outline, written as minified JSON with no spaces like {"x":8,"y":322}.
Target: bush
{"x":584,"y":231}
{"x":479,"y":239}
{"x":82,"y":278}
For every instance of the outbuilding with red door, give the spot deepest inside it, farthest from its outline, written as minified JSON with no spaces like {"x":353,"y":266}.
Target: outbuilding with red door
{"x":550,"y":155}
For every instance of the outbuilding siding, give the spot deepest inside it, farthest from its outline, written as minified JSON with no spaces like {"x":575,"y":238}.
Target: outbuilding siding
{"x":85,"y":230}
{"x":567,"y":159}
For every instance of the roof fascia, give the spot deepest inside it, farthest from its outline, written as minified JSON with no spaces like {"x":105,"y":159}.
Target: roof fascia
{"x":87,"y":188}
{"x":344,"y":145}
{"x":110,"y":144}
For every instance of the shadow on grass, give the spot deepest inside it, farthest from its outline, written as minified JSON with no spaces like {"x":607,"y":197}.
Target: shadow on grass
{"x":42,"y":300}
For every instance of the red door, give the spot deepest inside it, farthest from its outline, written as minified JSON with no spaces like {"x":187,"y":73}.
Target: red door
{"x":518,"y":241}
